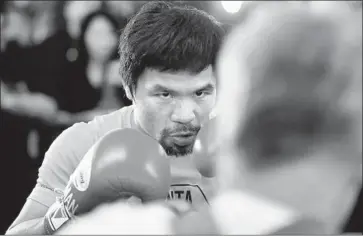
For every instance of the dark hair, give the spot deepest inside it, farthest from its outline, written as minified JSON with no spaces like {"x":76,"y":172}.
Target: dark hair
{"x":168,"y":37}
{"x":82,"y":50}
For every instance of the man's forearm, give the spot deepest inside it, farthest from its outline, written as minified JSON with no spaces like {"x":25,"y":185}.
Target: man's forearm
{"x":35,"y":226}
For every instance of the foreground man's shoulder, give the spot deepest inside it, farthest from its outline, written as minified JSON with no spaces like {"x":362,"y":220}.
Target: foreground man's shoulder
{"x":198,"y":222}
{"x":238,"y":212}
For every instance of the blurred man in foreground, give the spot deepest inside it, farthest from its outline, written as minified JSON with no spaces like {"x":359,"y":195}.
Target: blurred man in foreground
{"x":289,"y":129}
{"x":296,"y":135}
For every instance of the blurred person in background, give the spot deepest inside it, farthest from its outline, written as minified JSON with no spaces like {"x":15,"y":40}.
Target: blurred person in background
{"x":16,"y":105}
{"x":34,"y":48}
{"x":93,"y":86}
{"x":75,"y":11}
{"x":45,"y":67}
{"x":36,"y":24}
{"x":122,"y":10}
{"x":33,"y":64}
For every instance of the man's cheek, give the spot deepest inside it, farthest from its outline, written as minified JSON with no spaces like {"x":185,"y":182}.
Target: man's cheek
{"x":150,"y":123}
{"x":155,"y":122}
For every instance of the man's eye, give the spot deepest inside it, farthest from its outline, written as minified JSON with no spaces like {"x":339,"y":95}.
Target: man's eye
{"x":200,"y":94}
{"x":164,"y":95}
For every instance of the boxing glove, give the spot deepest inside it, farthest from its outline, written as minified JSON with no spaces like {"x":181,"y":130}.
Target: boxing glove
{"x":122,"y":164}
{"x":205,"y":148}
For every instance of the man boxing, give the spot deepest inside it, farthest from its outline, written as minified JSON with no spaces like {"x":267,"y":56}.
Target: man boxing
{"x":290,"y":131}
{"x":166,"y":64}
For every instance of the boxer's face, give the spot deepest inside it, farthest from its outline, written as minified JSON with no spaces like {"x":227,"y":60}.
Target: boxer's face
{"x":172,"y":106}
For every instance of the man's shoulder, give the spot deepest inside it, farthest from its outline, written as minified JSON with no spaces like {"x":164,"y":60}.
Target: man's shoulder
{"x":88,"y":133}
{"x":117,"y":119}
{"x":72,"y":144}
{"x":240,"y":212}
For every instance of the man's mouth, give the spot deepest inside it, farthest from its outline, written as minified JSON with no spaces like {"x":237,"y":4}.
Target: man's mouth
{"x":183,"y":138}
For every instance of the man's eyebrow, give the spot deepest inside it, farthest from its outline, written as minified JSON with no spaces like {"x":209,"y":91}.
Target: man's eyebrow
{"x":158,"y":87}
{"x":207,"y":87}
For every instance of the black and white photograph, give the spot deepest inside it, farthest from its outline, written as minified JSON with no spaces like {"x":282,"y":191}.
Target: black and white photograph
{"x":181,"y":117}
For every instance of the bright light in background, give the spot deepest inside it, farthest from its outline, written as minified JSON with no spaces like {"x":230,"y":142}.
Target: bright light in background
{"x":231,"y":6}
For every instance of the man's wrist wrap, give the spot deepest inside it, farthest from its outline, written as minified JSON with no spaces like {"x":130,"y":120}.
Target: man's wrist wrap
{"x":57,"y":215}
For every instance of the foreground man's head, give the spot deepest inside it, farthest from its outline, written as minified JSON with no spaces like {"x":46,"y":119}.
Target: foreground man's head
{"x":289,"y":99}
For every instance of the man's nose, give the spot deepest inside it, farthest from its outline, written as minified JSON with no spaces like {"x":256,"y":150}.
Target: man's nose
{"x":184,"y":112}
